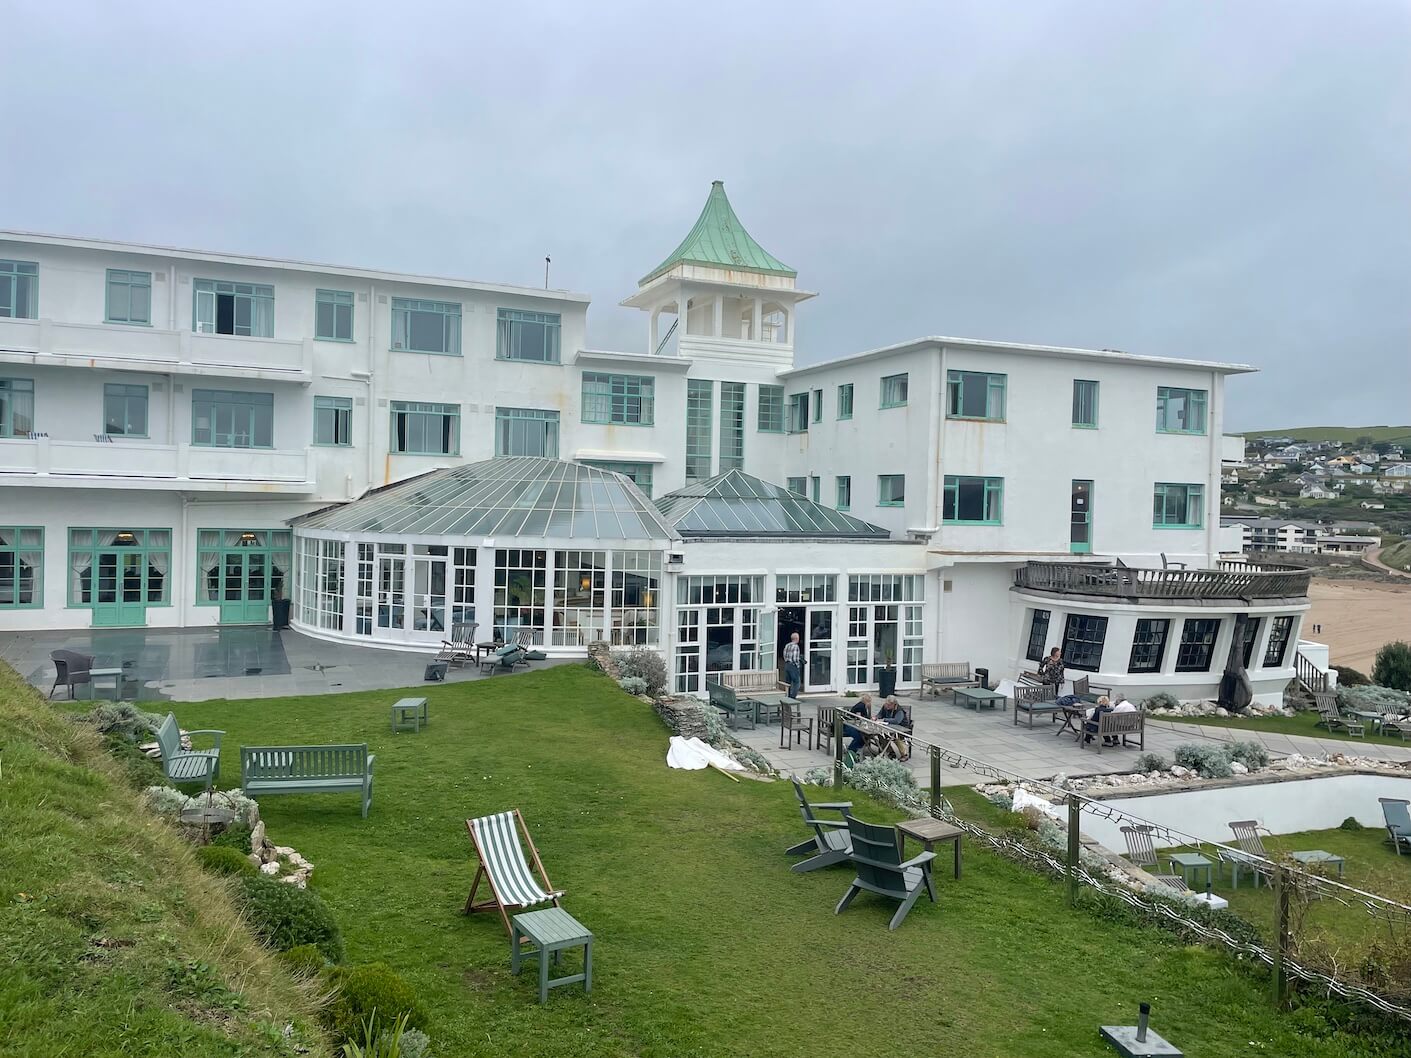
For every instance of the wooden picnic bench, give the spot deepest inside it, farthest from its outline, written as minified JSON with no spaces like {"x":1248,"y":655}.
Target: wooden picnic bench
{"x":764,"y":687}
{"x":737,"y":709}
{"x":1036,"y":698}
{"x":938,"y":676}
{"x":307,"y":769}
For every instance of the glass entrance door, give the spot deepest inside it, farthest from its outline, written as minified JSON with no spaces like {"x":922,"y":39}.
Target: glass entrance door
{"x":391,"y":594}
{"x":429,"y":597}
{"x":119,"y":598}
{"x":245,"y":590}
{"x":818,"y":671}
{"x":1080,"y":532}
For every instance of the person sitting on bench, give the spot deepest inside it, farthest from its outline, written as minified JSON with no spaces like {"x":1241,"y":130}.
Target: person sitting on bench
{"x":862,"y":708}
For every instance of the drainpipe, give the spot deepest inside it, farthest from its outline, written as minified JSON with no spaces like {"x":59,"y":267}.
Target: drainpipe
{"x":184,"y":614}
{"x":1217,"y":445}
{"x":371,"y":382}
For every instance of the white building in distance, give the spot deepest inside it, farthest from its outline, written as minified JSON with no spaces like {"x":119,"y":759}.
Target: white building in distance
{"x":187,"y":436}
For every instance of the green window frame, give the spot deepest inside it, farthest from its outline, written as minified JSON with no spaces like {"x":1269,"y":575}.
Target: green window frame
{"x":423,"y":428}
{"x":526,"y":432}
{"x":1180,"y":410}
{"x":623,"y":400}
{"x":223,"y":418}
{"x":732,"y":426}
{"x":700,"y":395}
{"x":16,"y":407}
{"x":128,"y":297}
{"x":420,"y":326}
{"x":125,"y":409}
{"x":21,"y":567}
{"x":770,"y":417}
{"x":243,"y":309}
{"x":19,"y":290}
{"x":815,"y":488}
{"x":1178,"y":505}
{"x":1085,"y":394}
{"x":845,"y":401}
{"x":844,"y":483}
{"x":977,"y":395}
{"x":333,"y":315}
{"x":529,"y":337}
{"x":214,"y":583}
{"x":797,"y":421}
{"x":333,"y":422}
{"x":85,"y":546}
{"x":640,"y":474}
{"x":972,"y":500}
{"x":798,"y":486}
{"x":816,"y":403}
{"x":895,"y":390}
{"x":891,"y":490}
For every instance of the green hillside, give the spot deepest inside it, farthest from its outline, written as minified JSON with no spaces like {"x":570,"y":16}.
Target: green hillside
{"x":1395,"y":434}
{"x":1398,"y":556}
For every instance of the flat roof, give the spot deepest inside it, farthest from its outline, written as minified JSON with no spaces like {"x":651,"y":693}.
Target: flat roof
{"x":1110,"y":355}
{"x":251,"y":261}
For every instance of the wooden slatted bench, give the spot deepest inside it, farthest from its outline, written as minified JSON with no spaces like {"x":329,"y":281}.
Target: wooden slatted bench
{"x":187,"y":765}
{"x":764,"y":687}
{"x":307,"y":769}
{"x":938,"y":676}
{"x":737,"y":709}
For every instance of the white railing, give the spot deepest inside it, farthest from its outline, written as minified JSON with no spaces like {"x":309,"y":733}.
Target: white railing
{"x":50,"y":461}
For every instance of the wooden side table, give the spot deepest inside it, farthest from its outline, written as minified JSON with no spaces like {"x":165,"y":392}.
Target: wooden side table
{"x":551,"y":931}
{"x":931,"y":831}
{"x":410,"y":711}
{"x":1192,"y":864}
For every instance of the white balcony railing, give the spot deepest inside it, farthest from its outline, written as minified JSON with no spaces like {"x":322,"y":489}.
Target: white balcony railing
{"x":151,"y":349}
{"x":124,"y":464}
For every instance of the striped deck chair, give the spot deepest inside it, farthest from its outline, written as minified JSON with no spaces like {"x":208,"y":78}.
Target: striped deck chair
{"x":513,"y":886}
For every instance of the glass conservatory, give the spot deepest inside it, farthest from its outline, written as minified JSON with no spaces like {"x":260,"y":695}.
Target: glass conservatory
{"x":569,"y":553}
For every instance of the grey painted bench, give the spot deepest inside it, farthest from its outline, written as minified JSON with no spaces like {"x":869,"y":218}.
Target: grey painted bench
{"x":737,"y":710}
{"x":187,"y":765}
{"x":307,"y":769}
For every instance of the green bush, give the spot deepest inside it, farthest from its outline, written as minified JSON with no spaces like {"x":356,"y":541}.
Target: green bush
{"x":1350,"y":677}
{"x":1251,"y":754}
{"x":1152,"y":762}
{"x":1350,"y":823}
{"x":284,"y":916}
{"x":645,"y":665}
{"x":304,"y":960}
{"x":236,"y":836}
{"x":633,"y":684}
{"x":126,"y":721}
{"x":222,"y":860}
{"x":1393,"y":666}
{"x":140,"y":770}
{"x":1211,"y":762}
{"x":1373,"y":699}
{"x":364,"y":989}
{"x":1162,"y":700}
{"x":887,"y":780}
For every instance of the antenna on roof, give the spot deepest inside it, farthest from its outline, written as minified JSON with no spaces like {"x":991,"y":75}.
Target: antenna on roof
{"x":546,"y":272}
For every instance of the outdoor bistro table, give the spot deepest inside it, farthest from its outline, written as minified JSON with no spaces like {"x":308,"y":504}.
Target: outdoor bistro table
{"x":116,"y":675}
{"x":1191,"y":864}
{"x":1317,"y":857}
{"x":978,"y":698}
{"x":1073,"y":717}
{"x":929,"y":832}
{"x":1374,"y":719}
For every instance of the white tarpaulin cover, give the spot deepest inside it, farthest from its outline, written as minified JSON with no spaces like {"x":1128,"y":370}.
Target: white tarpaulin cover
{"x":692,"y":754}
{"x":1024,"y":799}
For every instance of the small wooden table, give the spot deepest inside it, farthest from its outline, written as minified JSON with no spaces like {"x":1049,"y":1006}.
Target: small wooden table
{"x":1319,"y":858}
{"x":978,"y":698}
{"x":551,"y":931}
{"x":929,"y":832}
{"x":411,"y":712}
{"x":1191,"y":864}
{"x":116,"y":675}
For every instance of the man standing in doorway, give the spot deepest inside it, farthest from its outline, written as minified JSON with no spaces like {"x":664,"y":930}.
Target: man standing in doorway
{"x":793,"y":665}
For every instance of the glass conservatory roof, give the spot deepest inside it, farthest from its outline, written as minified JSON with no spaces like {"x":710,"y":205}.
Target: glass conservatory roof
{"x":514,"y":496}
{"x":735,"y":504}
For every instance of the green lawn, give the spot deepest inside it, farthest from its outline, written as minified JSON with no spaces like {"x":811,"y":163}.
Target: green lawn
{"x":706,"y":943}
{"x":1298,"y":724}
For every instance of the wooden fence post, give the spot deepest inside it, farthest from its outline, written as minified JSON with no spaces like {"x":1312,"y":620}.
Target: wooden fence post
{"x":1282,"y":941}
{"x":837,"y":749}
{"x":1074,"y":818}
{"x":935,"y":779}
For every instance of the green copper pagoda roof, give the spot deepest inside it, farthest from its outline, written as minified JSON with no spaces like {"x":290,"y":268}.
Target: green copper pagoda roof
{"x":719,"y":240}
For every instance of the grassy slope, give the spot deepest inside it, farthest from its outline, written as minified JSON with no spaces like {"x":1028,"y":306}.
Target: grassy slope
{"x":1394,"y":434}
{"x":114,"y":941}
{"x":706,"y":943}
{"x":1398,"y":556}
{"x":1299,"y":724}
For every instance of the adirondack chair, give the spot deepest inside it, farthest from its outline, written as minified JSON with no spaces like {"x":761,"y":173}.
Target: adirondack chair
{"x":460,"y":648}
{"x":876,"y":853}
{"x":513,"y":886}
{"x":1142,"y":852}
{"x":187,"y":765}
{"x":830,"y":843}
{"x":268,"y":770}
{"x":1398,"y":821}
{"x":70,"y":669}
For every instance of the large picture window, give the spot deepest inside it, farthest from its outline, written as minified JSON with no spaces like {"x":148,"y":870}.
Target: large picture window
{"x":21,"y":567}
{"x":129,"y":297}
{"x":113,"y":569}
{"x":422,"y":429}
{"x":526,"y":432}
{"x":233,"y":308}
{"x":1038,"y":635}
{"x":1083,"y":639}
{"x":1197,"y":648}
{"x":717,"y":627}
{"x":627,"y":400}
{"x":770,"y":418}
{"x":1178,"y":506}
{"x":1280,"y":632}
{"x":699,"y":394}
{"x":975,"y":395}
{"x":520,"y":588}
{"x":532,"y":337}
{"x":1149,"y":644}
{"x":426,"y":326}
{"x":232,"y":419}
{"x":580,"y":597}
{"x":636,"y":598}
{"x":732,"y":426}
{"x":124,"y":410}
{"x":1180,"y":410}
{"x":972,"y":501}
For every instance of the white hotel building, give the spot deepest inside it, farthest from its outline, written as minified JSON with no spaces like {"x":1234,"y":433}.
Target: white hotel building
{"x":185,"y":436}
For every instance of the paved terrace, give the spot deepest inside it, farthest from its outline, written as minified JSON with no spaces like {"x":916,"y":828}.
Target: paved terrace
{"x":991,"y":736}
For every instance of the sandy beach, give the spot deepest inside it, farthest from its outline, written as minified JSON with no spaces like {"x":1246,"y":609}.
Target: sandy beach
{"x":1357,"y":618}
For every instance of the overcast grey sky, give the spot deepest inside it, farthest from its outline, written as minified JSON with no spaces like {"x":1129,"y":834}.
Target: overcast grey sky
{"x":1229,"y":181}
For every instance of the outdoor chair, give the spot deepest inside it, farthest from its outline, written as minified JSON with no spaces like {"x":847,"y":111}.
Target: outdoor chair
{"x":1398,"y":821}
{"x":1395,"y":725}
{"x":1331,"y":718}
{"x":1088,"y":691}
{"x":460,"y":648}
{"x":1034,"y":698}
{"x":1142,"y":852}
{"x":70,"y":669}
{"x":793,"y":725}
{"x":876,"y":854}
{"x":513,"y":886}
{"x":1251,"y":855}
{"x":829,"y":844}
{"x":503,"y":659}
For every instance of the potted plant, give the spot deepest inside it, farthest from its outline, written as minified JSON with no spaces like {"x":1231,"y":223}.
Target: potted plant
{"x":887,"y":676}
{"x":279,"y":608}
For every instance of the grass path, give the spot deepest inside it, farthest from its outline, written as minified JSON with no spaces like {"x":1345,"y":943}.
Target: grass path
{"x":707,"y":944}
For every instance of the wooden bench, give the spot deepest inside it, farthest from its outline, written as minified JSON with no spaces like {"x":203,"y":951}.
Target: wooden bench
{"x":187,"y":765}
{"x":938,"y":676}
{"x":765,"y":688}
{"x":737,"y":710}
{"x":1036,"y":698}
{"x":1117,"y":725}
{"x":307,"y":769}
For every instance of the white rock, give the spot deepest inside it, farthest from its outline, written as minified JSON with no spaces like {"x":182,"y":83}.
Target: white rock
{"x":1238,"y":768}
{"x":269,"y":868}
{"x":1221,"y":711}
{"x":255,"y":860}
{"x":1295,"y":760}
{"x":257,"y":837}
{"x":1179,"y":772}
{"x":284,"y":850}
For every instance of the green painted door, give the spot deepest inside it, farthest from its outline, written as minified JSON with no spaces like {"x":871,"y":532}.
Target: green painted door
{"x":1080,"y":536}
{"x":245,"y":590}
{"x":119,"y":598}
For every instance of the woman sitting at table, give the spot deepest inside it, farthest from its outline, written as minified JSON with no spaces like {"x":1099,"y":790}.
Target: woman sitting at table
{"x":892,"y":714}
{"x":1090,"y":724}
{"x":862,"y":708}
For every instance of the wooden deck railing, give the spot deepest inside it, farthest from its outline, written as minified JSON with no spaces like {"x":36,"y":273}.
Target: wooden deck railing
{"x":1309,"y":675}
{"x":1236,"y":580}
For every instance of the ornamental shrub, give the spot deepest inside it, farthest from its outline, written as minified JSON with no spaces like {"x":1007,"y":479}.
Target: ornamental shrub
{"x":1210,"y":762}
{"x":304,"y":960}
{"x":164,"y":800}
{"x":284,"y":916}
{"x":1374,"y":699}
{"x":646,"y":665}
{"x":126,"y":721}
{"x":1350,"y":677}
{"x":1350,"y":823}
{"x":886,"y":779}
{"x":1152,"y":762}
{"x":415,"y":1044}
{"x":363,"y":989}
{"x":1393,"y":666}
{"x":1251,"y":754}
{"x":633,"y":684}
{"x":222,"y":860}
{"x":1161,"y":700}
